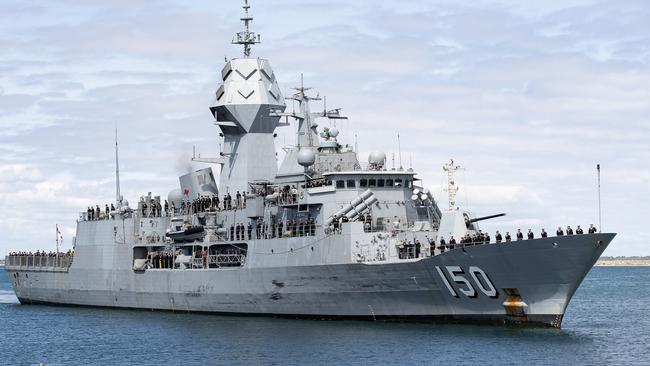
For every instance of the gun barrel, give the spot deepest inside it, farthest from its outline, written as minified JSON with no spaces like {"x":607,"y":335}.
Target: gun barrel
{"x":486,"y":217}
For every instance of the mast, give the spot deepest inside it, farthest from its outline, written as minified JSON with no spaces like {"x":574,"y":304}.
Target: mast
{"x":246,"y":37}
{"x":118,"y":200}
{"x":399,"y":151}
{"x":57,"y":239}
{"x":452,"y":188}
{"x":600,"y":220}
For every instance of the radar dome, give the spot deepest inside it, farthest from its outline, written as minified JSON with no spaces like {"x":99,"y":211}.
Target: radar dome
{"x":306,"y":157}
{"x":377,"y":158}
{"x":334,"y":132}
{"x":175,"y":196}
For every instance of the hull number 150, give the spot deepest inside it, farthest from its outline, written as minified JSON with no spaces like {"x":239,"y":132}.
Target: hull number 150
{"x":458,"y":276}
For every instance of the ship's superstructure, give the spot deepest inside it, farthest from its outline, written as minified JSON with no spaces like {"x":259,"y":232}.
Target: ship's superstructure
{"x":324,"y":235}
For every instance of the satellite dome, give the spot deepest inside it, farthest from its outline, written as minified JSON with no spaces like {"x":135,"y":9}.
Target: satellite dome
{"x":377,"y":158}
{"x":334,"y":131}
{"x":175,"y":196}
{"x":306,"y":157}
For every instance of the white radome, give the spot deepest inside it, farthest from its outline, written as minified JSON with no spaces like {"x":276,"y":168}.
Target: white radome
{"x":306,"y":157}
{"x":175,"y":196}
{"x":377,"y":158}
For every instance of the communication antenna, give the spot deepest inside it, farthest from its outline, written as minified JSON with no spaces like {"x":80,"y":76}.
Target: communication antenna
{"x":118,"y":199}
{"x":356,"y":143}
{"x":452,"y":188}
{"x":600,"y":219}
{"x":57,"y":240}
{"x":399,"y":151}
{"x":246,"y":38}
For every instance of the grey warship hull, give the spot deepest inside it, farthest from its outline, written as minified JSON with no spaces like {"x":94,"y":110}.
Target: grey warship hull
{"x":545,"y":272}
{"x":322,"y":235}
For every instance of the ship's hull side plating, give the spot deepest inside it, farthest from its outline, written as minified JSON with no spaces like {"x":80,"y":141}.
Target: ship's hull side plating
{"x":465,"y":285}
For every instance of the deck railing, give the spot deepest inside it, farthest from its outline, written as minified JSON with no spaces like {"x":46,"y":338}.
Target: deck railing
{"x":44,"y":263}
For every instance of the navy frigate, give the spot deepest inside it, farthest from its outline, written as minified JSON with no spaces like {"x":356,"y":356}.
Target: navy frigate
{"x":323,"y":235}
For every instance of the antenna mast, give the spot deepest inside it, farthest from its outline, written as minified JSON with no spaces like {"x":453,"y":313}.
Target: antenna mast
{"x":452,"y":188}
{"x":118,"y":199}
{"x":600,"y":220}
{"x":399,"y":151}
{"x":246,"y":38}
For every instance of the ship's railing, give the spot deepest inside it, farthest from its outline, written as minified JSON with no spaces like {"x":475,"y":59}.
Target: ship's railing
{"x":44,"y":263}
{"x":227,"y":260}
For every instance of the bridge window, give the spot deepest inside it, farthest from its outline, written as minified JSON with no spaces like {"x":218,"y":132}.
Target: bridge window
{"x":351,"y":183}
{"x":340,"y":184}
{"x":372,"y":183}
{"x":398,"y":183}
{"x":363,"y":183}
{"x":389,"y":183}
{"x":380,"y":182}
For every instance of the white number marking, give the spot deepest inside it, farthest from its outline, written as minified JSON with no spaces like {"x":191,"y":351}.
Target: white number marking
{"x":453,"y":270}
{"x":446,"y":281}
{"x":490,"y":291}
{"x":479,"y":277}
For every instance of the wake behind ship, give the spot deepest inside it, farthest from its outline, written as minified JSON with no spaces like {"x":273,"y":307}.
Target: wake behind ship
{"x":321,"y":236}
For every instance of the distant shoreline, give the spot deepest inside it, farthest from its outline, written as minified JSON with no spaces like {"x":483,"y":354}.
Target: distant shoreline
{"x":623,"y":263}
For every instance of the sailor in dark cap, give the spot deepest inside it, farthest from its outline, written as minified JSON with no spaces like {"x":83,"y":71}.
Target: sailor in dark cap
{"x":559,"y":231}
{"x":569,"y":231}
{"x":544,"y":234}
{"x":498,"y":237}
{"x":508,"y":238}
{"x":520,"y":235}
{"x":530,"y":234}
{"x":592,"y":229}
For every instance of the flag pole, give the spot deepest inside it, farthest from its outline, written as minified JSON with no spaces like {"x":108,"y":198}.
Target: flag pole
{"x":600,"y":220}
{"x":57,"y":244}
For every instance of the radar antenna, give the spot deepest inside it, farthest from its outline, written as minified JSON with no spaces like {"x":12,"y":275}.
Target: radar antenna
{"x":246,"y":38}
{"x":452,"y":188}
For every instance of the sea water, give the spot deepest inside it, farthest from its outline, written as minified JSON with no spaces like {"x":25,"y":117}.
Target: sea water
{"x":607,"y":323}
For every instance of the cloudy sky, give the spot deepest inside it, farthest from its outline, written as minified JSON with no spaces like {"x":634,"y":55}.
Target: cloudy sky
{"x":527,"y":98}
